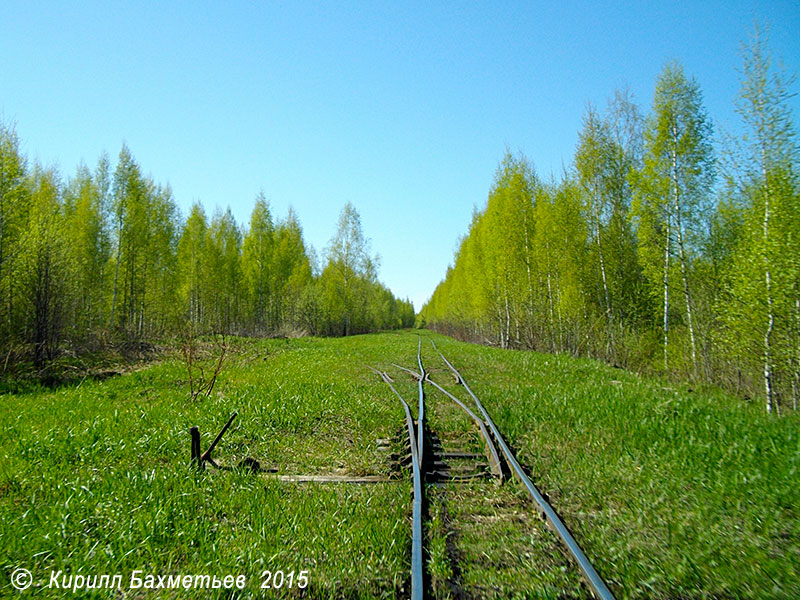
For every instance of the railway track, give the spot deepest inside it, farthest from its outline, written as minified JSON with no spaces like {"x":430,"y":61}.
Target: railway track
{"x":428,"y":467}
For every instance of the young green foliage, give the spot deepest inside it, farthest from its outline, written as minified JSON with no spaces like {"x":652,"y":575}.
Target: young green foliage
{"x":764,"y":311}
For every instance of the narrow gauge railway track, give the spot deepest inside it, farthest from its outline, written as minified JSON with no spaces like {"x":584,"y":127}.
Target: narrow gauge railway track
{"x":417,"y":581}
{"x":498,"y":467}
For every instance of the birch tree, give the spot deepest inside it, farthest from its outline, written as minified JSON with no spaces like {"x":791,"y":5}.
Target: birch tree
{"x":770,"y":243}
{"x":44,"y":267}
{"x":291,"y":269}
{"x":349,"y":264}
{"x":89,"y":245}
{"x":592,"y":159}
{"x":14,"y":206}
{"x":222,"y":271}
{"x":190,"y":256}
{"x":257,"y":265}
{"x":673,"y":187}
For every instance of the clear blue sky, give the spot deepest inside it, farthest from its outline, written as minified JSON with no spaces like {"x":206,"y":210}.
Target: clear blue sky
{"x":403,"y":109}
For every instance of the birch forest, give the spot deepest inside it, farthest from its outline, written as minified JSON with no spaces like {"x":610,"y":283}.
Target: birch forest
{"x":652,"y":251}
{"x":105,"y":258}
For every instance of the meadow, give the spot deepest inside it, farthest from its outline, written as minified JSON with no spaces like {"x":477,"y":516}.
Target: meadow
{"x":672,"y":492}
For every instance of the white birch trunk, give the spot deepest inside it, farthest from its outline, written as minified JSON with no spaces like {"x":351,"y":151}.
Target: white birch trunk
{"x":682,"y":254}
{"x":768,"y":283}
{"x":666,"y":289}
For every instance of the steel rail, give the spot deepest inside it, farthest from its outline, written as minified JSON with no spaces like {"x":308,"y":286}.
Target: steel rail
{"x":596,"y":584}
{"x":421,"y":407}
{"x":492,"y":455}
{"x":417,"y":580}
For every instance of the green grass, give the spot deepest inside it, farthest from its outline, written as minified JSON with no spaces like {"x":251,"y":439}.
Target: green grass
{"x":672,"y":493}
{"x":94,"y":478}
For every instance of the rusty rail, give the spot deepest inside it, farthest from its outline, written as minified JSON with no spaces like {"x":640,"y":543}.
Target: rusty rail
{"x":596,"y":583}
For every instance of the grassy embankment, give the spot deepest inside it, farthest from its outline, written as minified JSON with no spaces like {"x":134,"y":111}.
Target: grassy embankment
{"x":672,"y":493}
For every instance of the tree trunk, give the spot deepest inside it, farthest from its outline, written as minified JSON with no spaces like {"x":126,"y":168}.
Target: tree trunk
{"x":551,"y":313}
{"x":682,"y":254}
{"x":507,"y":335}
{"x":116,"y":276}
{"x":603,"y":276}
{"x":531,"y":308}
{"x":768,"y":390}
{"x":601,"y":256}
{"x":99,"y":293}
{"x":666,"y":289}
{"x":141,"y":316}
{"x":131,"y":290}
{"x":560,"y":317}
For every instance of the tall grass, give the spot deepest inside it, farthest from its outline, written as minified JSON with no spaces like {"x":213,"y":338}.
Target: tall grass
{"x":95,"y":477}
{"x":673,"y":493}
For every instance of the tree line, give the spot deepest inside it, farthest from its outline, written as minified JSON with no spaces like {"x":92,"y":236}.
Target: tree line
{"x":650,"y":251}
{"x":106,"y":257}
